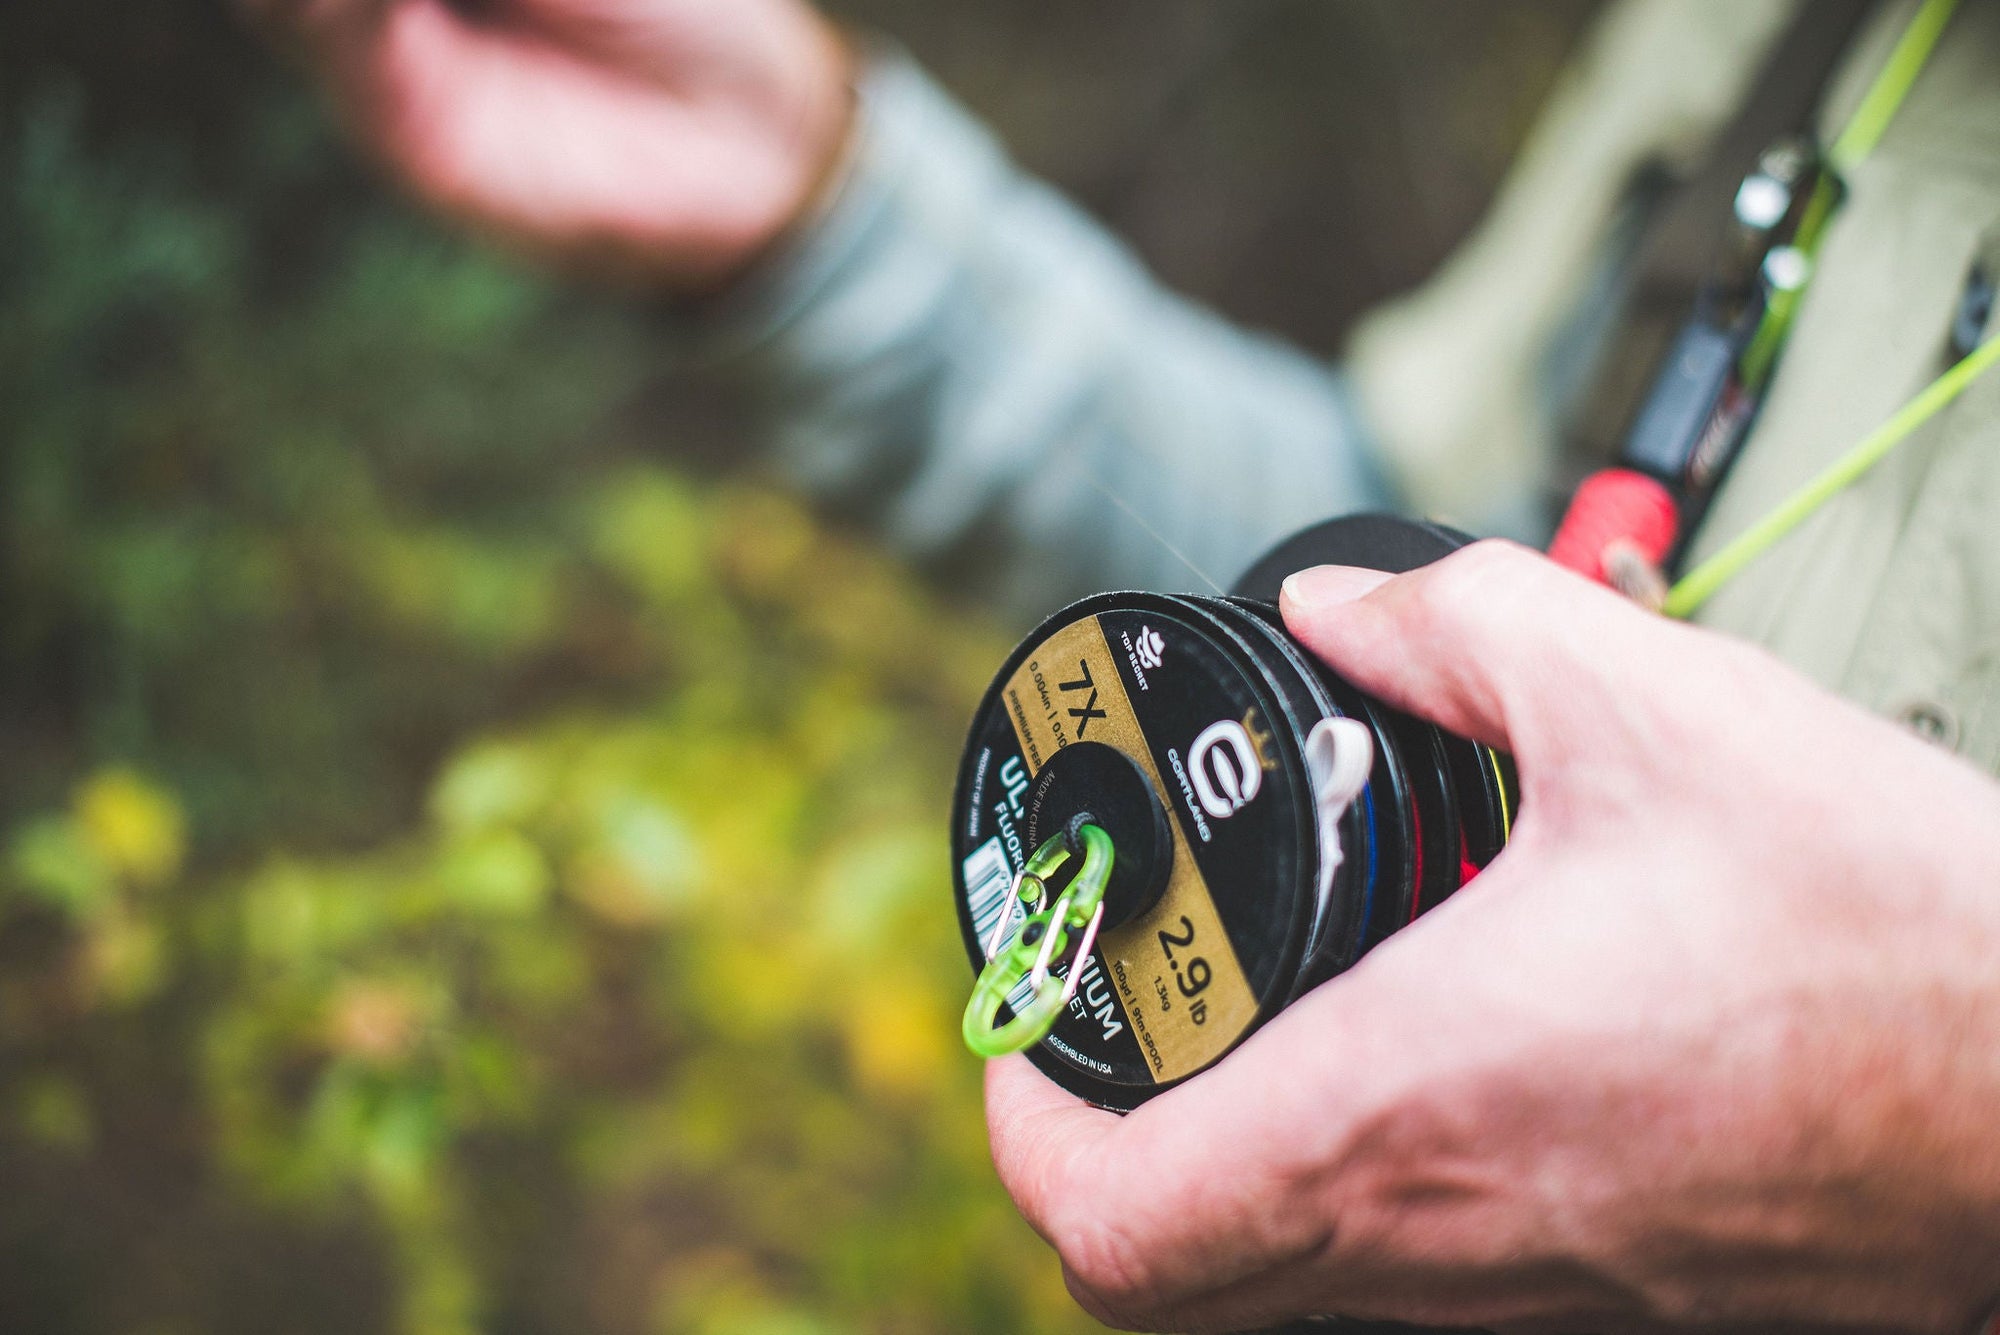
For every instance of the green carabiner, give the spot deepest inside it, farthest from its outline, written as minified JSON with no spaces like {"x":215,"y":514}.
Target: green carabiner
{"x":1042,"y":938}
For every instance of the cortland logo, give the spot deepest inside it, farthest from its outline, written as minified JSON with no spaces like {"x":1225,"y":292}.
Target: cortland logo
{"x":1151,"y":648}
{"x":1228,"y":764}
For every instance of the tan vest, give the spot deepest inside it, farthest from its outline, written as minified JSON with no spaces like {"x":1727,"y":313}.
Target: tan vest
{"x":1891,"y":595}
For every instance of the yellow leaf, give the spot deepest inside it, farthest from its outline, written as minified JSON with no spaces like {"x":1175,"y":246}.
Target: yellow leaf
{"x":896,"y":1037}
{"x":135,"y":827}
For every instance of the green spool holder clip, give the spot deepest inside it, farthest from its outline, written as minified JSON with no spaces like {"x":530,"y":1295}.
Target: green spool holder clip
{"x":1041,"y":940}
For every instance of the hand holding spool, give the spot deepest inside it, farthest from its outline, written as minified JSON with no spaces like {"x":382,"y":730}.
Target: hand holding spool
{"x":1249,"y":866}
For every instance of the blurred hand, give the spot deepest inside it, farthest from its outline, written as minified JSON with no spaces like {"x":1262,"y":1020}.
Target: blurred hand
{"x":1716,"y":1040}
{"x":664,"y":140}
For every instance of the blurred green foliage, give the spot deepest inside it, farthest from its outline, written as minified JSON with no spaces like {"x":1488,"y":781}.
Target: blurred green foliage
{"x":439,"y":836}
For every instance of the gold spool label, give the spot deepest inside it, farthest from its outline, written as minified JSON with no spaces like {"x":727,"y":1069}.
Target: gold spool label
{"x":1177,"y":980}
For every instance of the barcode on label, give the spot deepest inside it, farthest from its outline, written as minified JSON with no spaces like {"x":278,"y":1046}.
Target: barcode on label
{"x":989,"y":886}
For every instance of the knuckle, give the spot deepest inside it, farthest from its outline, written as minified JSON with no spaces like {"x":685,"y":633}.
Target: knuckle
{"x":1468,"y":579}
{"x":1444,"y":598}
{"x":1107,"y":1272}
{"x":1479,"y":599}
{"x":1429,"y":607}
{"x":1032,"y":1171}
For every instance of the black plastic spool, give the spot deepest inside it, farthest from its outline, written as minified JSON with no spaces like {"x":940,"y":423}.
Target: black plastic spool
{"x":1379,"y":862}
{"x":1434,"y":803}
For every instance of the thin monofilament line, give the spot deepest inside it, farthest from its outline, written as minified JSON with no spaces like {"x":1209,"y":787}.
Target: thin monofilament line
{"x":1864,"y":130}
{"x":1697,"y":585}
{"x":1155,"y":535}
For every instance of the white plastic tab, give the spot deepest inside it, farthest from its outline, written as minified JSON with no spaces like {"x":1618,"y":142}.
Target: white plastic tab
{"x":1340,"y":755}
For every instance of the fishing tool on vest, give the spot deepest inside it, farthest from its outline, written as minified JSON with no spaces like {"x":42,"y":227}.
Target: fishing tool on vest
{"x":1629,"y":525}
{"x":1171,"y":821}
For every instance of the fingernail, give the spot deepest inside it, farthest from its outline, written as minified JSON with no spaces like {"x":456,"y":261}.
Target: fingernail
{"x":1329,"y":586}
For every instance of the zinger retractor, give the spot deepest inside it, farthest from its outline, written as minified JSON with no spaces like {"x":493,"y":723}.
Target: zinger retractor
{"x":1018,"y":969}
{"x":1172,"y":821}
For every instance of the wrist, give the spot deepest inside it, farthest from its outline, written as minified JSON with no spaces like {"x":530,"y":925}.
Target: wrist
{"x":829,"y":128}
{"x":911,"y":156}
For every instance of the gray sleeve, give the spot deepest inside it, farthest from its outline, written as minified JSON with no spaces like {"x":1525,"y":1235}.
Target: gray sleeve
{"x":959,"y":357}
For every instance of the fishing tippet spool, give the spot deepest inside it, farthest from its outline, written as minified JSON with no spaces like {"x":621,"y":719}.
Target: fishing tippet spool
{"x":1171,"y":821}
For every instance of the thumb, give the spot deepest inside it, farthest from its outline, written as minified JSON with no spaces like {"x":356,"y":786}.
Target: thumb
{"x":1038,"y":1133}
{"x":1494,"y":642}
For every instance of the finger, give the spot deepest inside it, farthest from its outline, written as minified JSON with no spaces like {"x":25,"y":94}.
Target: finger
{"x":431,"y":93}
{"x":783,"y":49}
{"x":1486,"y":642}
{"x":1039,"y":1132}
{"x":375,"y":57}
{"x":1279,"y":1182}
{"x":1204,"y":1187}
{"x":1528,"y":1300}
{"x":641,"y":37}
{"x":1288,"y":1291}
{"x":1254,"y":1192}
